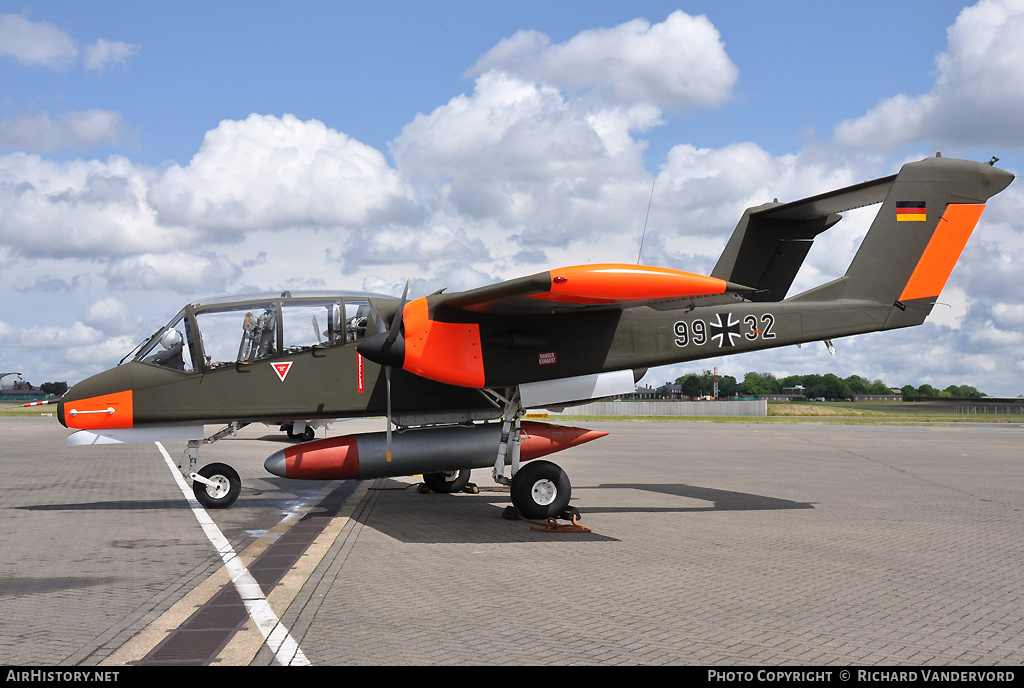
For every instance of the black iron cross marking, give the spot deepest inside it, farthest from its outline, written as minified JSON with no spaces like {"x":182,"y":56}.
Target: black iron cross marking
{"x":725,"y":332}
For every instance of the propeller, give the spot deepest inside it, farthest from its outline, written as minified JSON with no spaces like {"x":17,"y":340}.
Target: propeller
{"x":388,"y":349}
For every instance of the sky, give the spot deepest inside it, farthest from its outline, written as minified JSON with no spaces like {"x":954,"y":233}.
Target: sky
{"x":154,"y":154}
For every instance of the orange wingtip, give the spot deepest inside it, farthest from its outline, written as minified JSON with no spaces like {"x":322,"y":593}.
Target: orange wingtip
{"x":622,"y":283}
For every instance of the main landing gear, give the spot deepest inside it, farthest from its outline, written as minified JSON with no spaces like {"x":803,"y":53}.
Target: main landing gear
{"x":299,"y":431}
{"x":447,"y":482}
{"x":539,"y":489}
{"x":215,"y":485}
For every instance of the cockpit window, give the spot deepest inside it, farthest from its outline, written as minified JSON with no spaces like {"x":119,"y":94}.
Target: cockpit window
{"x":312,"y":324}
{"x":243,"y":332}
{"x":171,"y":347}
{"x":356,"y":314}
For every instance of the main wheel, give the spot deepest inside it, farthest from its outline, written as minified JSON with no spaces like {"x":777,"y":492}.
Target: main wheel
{"x":445,"y":483}
{"x":540,"y":489}
{"x":224,"y":490}
{"x":306,"y":435}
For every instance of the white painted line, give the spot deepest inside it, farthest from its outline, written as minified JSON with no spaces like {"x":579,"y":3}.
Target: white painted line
{"x":278,"y":639}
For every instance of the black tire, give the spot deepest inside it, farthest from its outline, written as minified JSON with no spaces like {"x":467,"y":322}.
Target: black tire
{"x":308,"y":434}
{"x":444,"y":482}
{"x":540,"y":489}
{"x":224,"y":493}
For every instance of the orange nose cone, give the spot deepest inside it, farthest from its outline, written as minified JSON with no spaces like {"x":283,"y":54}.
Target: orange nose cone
{"x":105,"y":412}
{"x":541,"y":439}
{"x":334,"y":458}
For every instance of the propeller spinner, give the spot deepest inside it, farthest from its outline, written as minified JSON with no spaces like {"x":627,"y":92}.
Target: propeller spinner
{"x":387,"y":347}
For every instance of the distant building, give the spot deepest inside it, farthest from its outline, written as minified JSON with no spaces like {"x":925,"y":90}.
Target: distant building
{"x":671,"y":390}
{"x":645,"y":392}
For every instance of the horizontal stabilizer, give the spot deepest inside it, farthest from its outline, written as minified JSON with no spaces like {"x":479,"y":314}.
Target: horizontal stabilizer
{"x":839,"y":201}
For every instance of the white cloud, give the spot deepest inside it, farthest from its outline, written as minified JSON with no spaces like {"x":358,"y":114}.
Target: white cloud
{"x":74,"y":130}
{"x":41,"y":43}
{"x":267,"y":172}
{"x":520,"y":155}
{"x":106,"y":52}
{"x":35,"y":43}
{"x":110,"y":315}
{"x":80,"y":209}
{"x":679,"y":64}
{"x":49,"y":337}
{"x":978,"y":95}
{"x":177,"y":271}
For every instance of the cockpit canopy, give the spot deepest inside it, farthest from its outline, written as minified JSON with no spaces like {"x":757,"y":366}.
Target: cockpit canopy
{"x":229,"y":330}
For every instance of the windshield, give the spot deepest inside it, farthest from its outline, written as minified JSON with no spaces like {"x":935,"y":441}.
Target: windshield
{"x":172,"y":347}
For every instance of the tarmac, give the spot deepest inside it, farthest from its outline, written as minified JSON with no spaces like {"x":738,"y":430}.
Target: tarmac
{"x":711,"y":545}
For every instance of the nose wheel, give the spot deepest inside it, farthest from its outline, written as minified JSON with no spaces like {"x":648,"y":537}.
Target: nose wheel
{"x":216,"y":485}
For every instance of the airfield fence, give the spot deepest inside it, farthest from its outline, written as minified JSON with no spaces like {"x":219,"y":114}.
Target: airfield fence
{"x":990,"y":409}
{"x":752,"y":409}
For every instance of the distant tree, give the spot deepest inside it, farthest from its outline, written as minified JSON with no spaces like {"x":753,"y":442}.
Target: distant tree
{"x":760,"y":383}
{"x":55,"y":388}
{"x":962,"y":392}
{"x":909,"y":392}
{"x":927,"y":390}
{"x":833,"y":387}
{"x":694,"y":385}
{"x":690,"y":385}
{"x":857,"y":384}
{"x":877,"y":387}
{"x":727,"y":386}
{"x":968,"y":392}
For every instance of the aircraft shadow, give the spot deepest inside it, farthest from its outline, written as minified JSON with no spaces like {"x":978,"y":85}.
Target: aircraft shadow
{"x":121,"y":505}
{"x":17,"y":586}
{"x":477,"y":518}
{"x":721,"y":500}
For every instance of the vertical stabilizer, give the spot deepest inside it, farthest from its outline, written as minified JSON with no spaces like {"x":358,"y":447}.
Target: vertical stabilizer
{"x":918,"y":234}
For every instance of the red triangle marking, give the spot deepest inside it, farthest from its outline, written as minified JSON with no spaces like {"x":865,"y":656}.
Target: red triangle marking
{"x":282,"y":369}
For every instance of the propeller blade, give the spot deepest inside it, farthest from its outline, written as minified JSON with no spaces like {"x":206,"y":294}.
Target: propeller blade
{"x":378,"y":322}
{"x":396,"y":323}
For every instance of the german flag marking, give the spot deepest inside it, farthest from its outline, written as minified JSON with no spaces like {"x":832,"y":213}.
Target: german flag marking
{"x":911,"y":211}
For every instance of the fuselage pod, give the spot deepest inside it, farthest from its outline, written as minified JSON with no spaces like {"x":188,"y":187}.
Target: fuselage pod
{"x":418,"y":450}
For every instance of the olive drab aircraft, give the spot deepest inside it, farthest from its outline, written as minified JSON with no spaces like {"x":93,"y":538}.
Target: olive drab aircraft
{"x":453,"y":373}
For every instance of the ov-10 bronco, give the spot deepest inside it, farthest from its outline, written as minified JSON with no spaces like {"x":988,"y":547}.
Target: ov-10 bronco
{"x":453,"y":372}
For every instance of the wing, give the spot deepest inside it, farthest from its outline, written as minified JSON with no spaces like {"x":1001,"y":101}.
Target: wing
{"x":440,"y":338}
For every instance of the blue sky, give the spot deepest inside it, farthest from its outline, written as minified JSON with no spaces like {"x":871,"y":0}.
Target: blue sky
{"x":172,"y":151}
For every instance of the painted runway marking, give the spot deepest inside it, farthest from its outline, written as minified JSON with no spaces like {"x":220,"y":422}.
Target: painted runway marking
{"x":277,"y":637}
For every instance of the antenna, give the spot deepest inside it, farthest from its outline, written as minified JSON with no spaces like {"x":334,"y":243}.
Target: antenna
{"x":642,"y":235}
